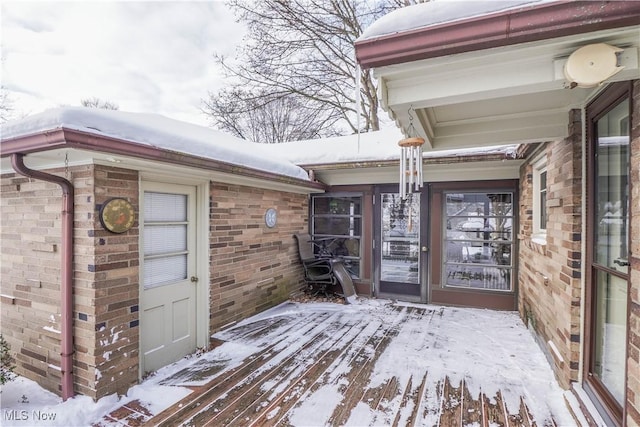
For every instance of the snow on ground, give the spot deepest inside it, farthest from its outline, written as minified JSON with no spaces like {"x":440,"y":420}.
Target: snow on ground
{"x":24,"y":403}
{"x":488,"y":350}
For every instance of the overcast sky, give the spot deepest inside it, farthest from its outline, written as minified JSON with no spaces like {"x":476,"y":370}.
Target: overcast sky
{"x":154,"y":57}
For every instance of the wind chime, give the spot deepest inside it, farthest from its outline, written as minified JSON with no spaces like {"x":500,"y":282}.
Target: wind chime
{"x":411,"y":178}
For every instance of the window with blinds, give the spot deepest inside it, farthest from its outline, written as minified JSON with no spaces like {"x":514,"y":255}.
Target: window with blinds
{"x":165,"y":238}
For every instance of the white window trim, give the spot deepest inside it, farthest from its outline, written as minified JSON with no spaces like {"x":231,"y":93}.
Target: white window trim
{"x":539,"y":167}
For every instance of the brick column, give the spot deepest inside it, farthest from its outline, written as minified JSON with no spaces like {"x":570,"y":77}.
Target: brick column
{"x":551,"y":308}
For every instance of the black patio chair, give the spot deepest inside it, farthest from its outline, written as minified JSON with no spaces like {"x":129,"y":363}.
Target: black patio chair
{"x":318,"y":268}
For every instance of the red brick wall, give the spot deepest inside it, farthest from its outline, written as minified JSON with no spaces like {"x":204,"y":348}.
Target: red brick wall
{"x":253,"y":267}
{"x":633,"y":349}
{"x":552,"y":309}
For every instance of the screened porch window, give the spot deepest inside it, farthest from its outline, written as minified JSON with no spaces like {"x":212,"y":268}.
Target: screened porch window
{"x":336,"y":224}
{"x":478,"y":242}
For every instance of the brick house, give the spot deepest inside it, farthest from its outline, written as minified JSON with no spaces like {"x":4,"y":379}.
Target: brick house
{"x":99,"y":305}
{"x":196,"y":253}
{"x":564,"y":77}
{"x":515,"y":212}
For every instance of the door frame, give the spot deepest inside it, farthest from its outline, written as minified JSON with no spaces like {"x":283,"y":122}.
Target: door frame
{"x":423,"y":296}
{"x":485,"y":298}
{"x":608,"y":407}
{"x":202,"y":225}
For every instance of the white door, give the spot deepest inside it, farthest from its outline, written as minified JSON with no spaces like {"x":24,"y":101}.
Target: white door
{"x":168,"y":274}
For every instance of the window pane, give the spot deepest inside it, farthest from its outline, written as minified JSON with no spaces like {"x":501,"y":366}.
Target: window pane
{"x":352,"y":266}
{"x":336,"y":223}
{"x":342,"y":226}
{"x":163,"y":271}
{"x":543,"y":201}
{"x":543,"y":210}
{"x":612,"y":189}
{"x":165,"y":245}
{"x":400,"y":238}
{"x":337,"y":205}
{"x":162,"y":239}
{"x":477,"y":277}
{"x":610,"y":332}
{"x":163,"y":207}
{"x":343,"y":247}
{"x":478,"y":240}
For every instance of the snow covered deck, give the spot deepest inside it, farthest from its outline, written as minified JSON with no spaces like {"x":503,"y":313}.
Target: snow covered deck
{"x":373,"y":363}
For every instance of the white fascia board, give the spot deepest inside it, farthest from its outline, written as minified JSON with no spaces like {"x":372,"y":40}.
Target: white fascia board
{"x":149,"y":169}
{"x":498,"y":72}
{"x":557,"y":48}
{"x":473,"y":84}
{"x":464,"y":171}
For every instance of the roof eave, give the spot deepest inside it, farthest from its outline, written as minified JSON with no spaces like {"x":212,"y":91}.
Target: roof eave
{"x":538,"y":22}
{"x":430,"y":160}
{"x":75,"y":139}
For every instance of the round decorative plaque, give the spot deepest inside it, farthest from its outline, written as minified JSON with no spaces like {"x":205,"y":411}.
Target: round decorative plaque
{"x":271,"y":217}
{"x":117,"y":215}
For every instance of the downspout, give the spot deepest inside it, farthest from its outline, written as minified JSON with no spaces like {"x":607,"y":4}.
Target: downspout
{"x":66,"y":287}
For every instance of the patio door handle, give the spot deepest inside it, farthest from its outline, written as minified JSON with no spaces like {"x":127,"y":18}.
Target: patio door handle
{"x":621,"y":262}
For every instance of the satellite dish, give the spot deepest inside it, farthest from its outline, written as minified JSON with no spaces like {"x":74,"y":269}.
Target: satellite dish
{"x":591,"y":65}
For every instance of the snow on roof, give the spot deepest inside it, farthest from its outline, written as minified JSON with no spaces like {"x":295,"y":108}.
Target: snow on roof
{"x":157,"y":131}
{"x":373,"y":146}
{"x":437,"y":12}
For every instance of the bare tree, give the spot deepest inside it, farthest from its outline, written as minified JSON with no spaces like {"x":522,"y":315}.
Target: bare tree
{"x":301,"y":49}
{"x":6,"y":106}
{"x":265,"y":119}
{"x":95,"y":102}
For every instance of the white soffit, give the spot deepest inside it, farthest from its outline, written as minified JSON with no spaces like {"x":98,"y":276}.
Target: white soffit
{"x":512,"y":94}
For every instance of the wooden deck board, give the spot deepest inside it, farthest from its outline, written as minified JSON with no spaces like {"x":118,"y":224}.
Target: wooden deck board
{"x":471,"y":408}
{"x":331,"y":352}
{"x":493,"y":410}
{"x":451,"y":404}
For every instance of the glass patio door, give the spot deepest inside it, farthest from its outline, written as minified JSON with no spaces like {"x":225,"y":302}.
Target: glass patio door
{"x":400,"y":246}
{"x":608,"y":252}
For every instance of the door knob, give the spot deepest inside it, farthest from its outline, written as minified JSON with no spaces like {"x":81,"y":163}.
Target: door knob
{"x":194,"y":279}
{"x":424,"y":249}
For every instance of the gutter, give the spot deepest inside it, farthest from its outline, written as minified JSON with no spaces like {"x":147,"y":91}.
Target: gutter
{"x":530,"y":23}
{"x":66,"y":286}
{"x":81,"y":140}
{"x":520,"y":153}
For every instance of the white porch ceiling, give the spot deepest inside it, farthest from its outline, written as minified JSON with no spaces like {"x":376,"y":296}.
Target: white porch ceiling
{"x":513,"y":94}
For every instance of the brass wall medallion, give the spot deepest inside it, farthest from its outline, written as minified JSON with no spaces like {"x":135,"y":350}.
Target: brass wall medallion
{"x":117,"y":215}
